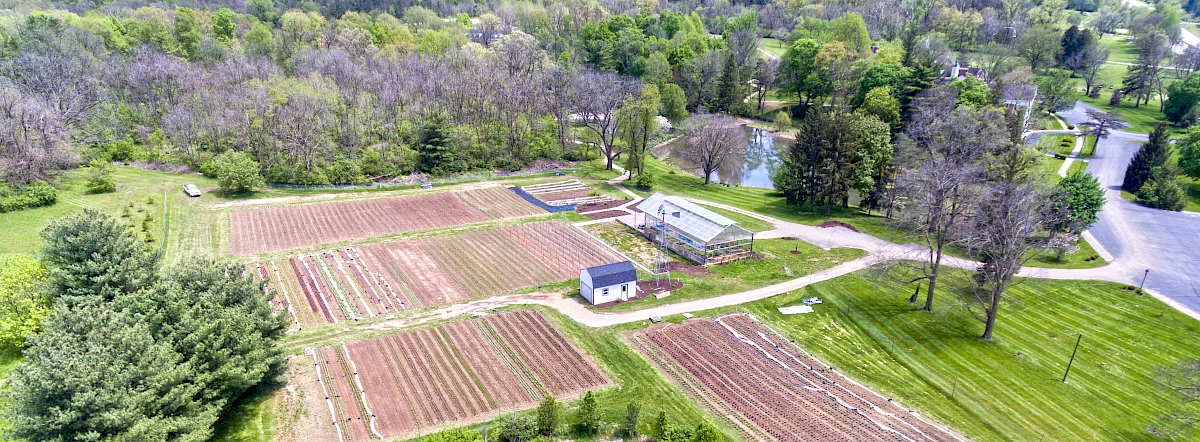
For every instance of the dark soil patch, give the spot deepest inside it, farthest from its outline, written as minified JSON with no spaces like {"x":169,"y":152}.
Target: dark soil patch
{"x":606,"y":214}
{"x":599,"y":206}
{"x":790,"y":238}
{"x":828,"y":224}
{"x":796,"y":252}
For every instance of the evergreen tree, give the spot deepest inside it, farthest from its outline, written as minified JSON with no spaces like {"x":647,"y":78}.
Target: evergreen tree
{"x":588,"y":416}
{"x":729,"y":87}
{"x":92,"y":258}
{"x":633,"y":413}
{"x":547,"y":416}
{"x":1151,"y":155}
{"x":436,"y":147}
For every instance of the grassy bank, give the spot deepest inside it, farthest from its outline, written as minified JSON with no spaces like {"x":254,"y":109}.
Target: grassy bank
{"x":1011,"y":388}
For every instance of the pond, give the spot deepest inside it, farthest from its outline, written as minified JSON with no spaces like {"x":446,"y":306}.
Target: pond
{"x":764,"y":152}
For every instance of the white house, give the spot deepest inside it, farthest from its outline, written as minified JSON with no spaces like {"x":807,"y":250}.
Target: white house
{"x":608,"y":283}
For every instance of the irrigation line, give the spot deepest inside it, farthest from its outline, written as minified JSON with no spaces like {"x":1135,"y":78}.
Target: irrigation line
{"x":279,"y":282}
{"x":362,"y":391}
{"x":336,"y":288}
{"x":332,"y":410}
{"x":353,"y":286}
{"x":317,"y":288}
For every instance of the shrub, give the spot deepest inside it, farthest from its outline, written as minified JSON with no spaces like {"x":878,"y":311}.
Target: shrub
{"x":237,"y":171}
{"x":1163,"y":192}
{"x":37,"y":194}
{"x":100,"y":177}
{"x":645,"y":181}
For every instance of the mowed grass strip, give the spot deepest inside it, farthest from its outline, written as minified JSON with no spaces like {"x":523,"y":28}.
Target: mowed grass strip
{"x":1011,"y":388}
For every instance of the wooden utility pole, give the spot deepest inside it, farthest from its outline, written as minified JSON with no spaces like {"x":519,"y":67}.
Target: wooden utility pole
{"x":1072,"y":358}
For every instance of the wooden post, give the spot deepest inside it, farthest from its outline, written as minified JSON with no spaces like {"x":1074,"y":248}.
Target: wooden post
{"x":1072,"y":358}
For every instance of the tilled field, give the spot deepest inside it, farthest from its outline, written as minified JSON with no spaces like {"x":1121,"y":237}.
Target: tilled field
{"x":417,"y":381}
{"x":769,"y":389}
{"x":328,"y":288}
{"x":448,"y":269}
{"x":281,"y":228}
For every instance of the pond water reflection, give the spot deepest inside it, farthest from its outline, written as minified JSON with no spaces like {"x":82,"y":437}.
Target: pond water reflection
{"x":753,"y":169}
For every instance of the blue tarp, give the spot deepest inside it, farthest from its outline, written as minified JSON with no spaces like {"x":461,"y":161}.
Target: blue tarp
{"x":537,"y":202}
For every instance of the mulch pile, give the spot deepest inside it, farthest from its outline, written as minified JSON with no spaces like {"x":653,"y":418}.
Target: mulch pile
{"x":606,"y":214}
{"x":828,"y":224}
{"x":599,"y":206}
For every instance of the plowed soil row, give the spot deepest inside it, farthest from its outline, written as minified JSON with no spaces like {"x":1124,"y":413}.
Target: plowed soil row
{"x":450,"y":269}
{"x":418,"y":380}
{"x":776,"y":392}
{"x":281,"y":228}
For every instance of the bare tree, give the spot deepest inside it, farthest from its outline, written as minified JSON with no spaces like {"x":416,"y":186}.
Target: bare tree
{"x":713,"y":139}
{"x":33,"y":138}
{"x":1103,"y":123}
{"x":1087,"y":63}
{"x":1011,"y":210}
{"x":1184,"y":381}
{"x":942,"y":156}
{"x":600,"y":95}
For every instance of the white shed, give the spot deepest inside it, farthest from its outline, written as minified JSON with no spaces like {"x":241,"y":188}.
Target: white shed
{"x":608,"y":283}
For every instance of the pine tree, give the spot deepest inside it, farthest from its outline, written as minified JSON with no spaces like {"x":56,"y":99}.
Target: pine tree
{"x":729,"y":91}
{"x":437,"y":146}
{"x":1152,"y":154}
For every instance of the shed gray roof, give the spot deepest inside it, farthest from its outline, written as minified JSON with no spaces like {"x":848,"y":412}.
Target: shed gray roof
{"x":688,"y":217}
{"x":612,"y":274}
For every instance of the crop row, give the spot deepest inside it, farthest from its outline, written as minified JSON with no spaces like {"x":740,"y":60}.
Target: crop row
{"x":423,"y":379}
{"x":735,"y":364}
{"x":281,"y":228}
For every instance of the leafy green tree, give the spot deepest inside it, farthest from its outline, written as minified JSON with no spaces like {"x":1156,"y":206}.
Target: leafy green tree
{"x":23,"y":300}
{"x":100,"y":177}
{"x":547,"y":416}
{"x":223,"y":24}
{"x":1078,"y":198}
{"x":588,"y":416}
{"x":1182,"y":98}
{"x":706,"y":432}
{"x":92,"y":258}
{"x":1056,"y":91}
{"x":674,"y":102}
{"x":1039,"y":46}
{"x":437,"y":147}
{"x":259,"y":40}
{"x":263,"y":9}
{"x":237,"y":172}
{"x":851,"y":31}
{"x":872,"y":161}
{"x":798,"y":73}
{"x":633,"y":413}
{"x":1153,"y":154}
{"x":1189,"y":155}
{"x":637,"y":126}
{"x":895,"y":77}
{"x":880,"y":103}
{"x":186,"y":32}
{"x":971,"y":91}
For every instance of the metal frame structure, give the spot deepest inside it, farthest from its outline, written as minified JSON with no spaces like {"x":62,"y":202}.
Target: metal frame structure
{"x":694,"y":232}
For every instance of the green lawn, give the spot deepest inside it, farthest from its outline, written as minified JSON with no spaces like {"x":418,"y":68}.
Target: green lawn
{"x":1011,"y":388}
{"x":748,"y":222}
{"x":1057,"y":144}
{"x":1089,"y":147}
{"x":773,"y":46}
{"x":1123,"y":48}
{"x":1085,"y":258}
{"x":1077,"y":166}
{"x":782,"y":260}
